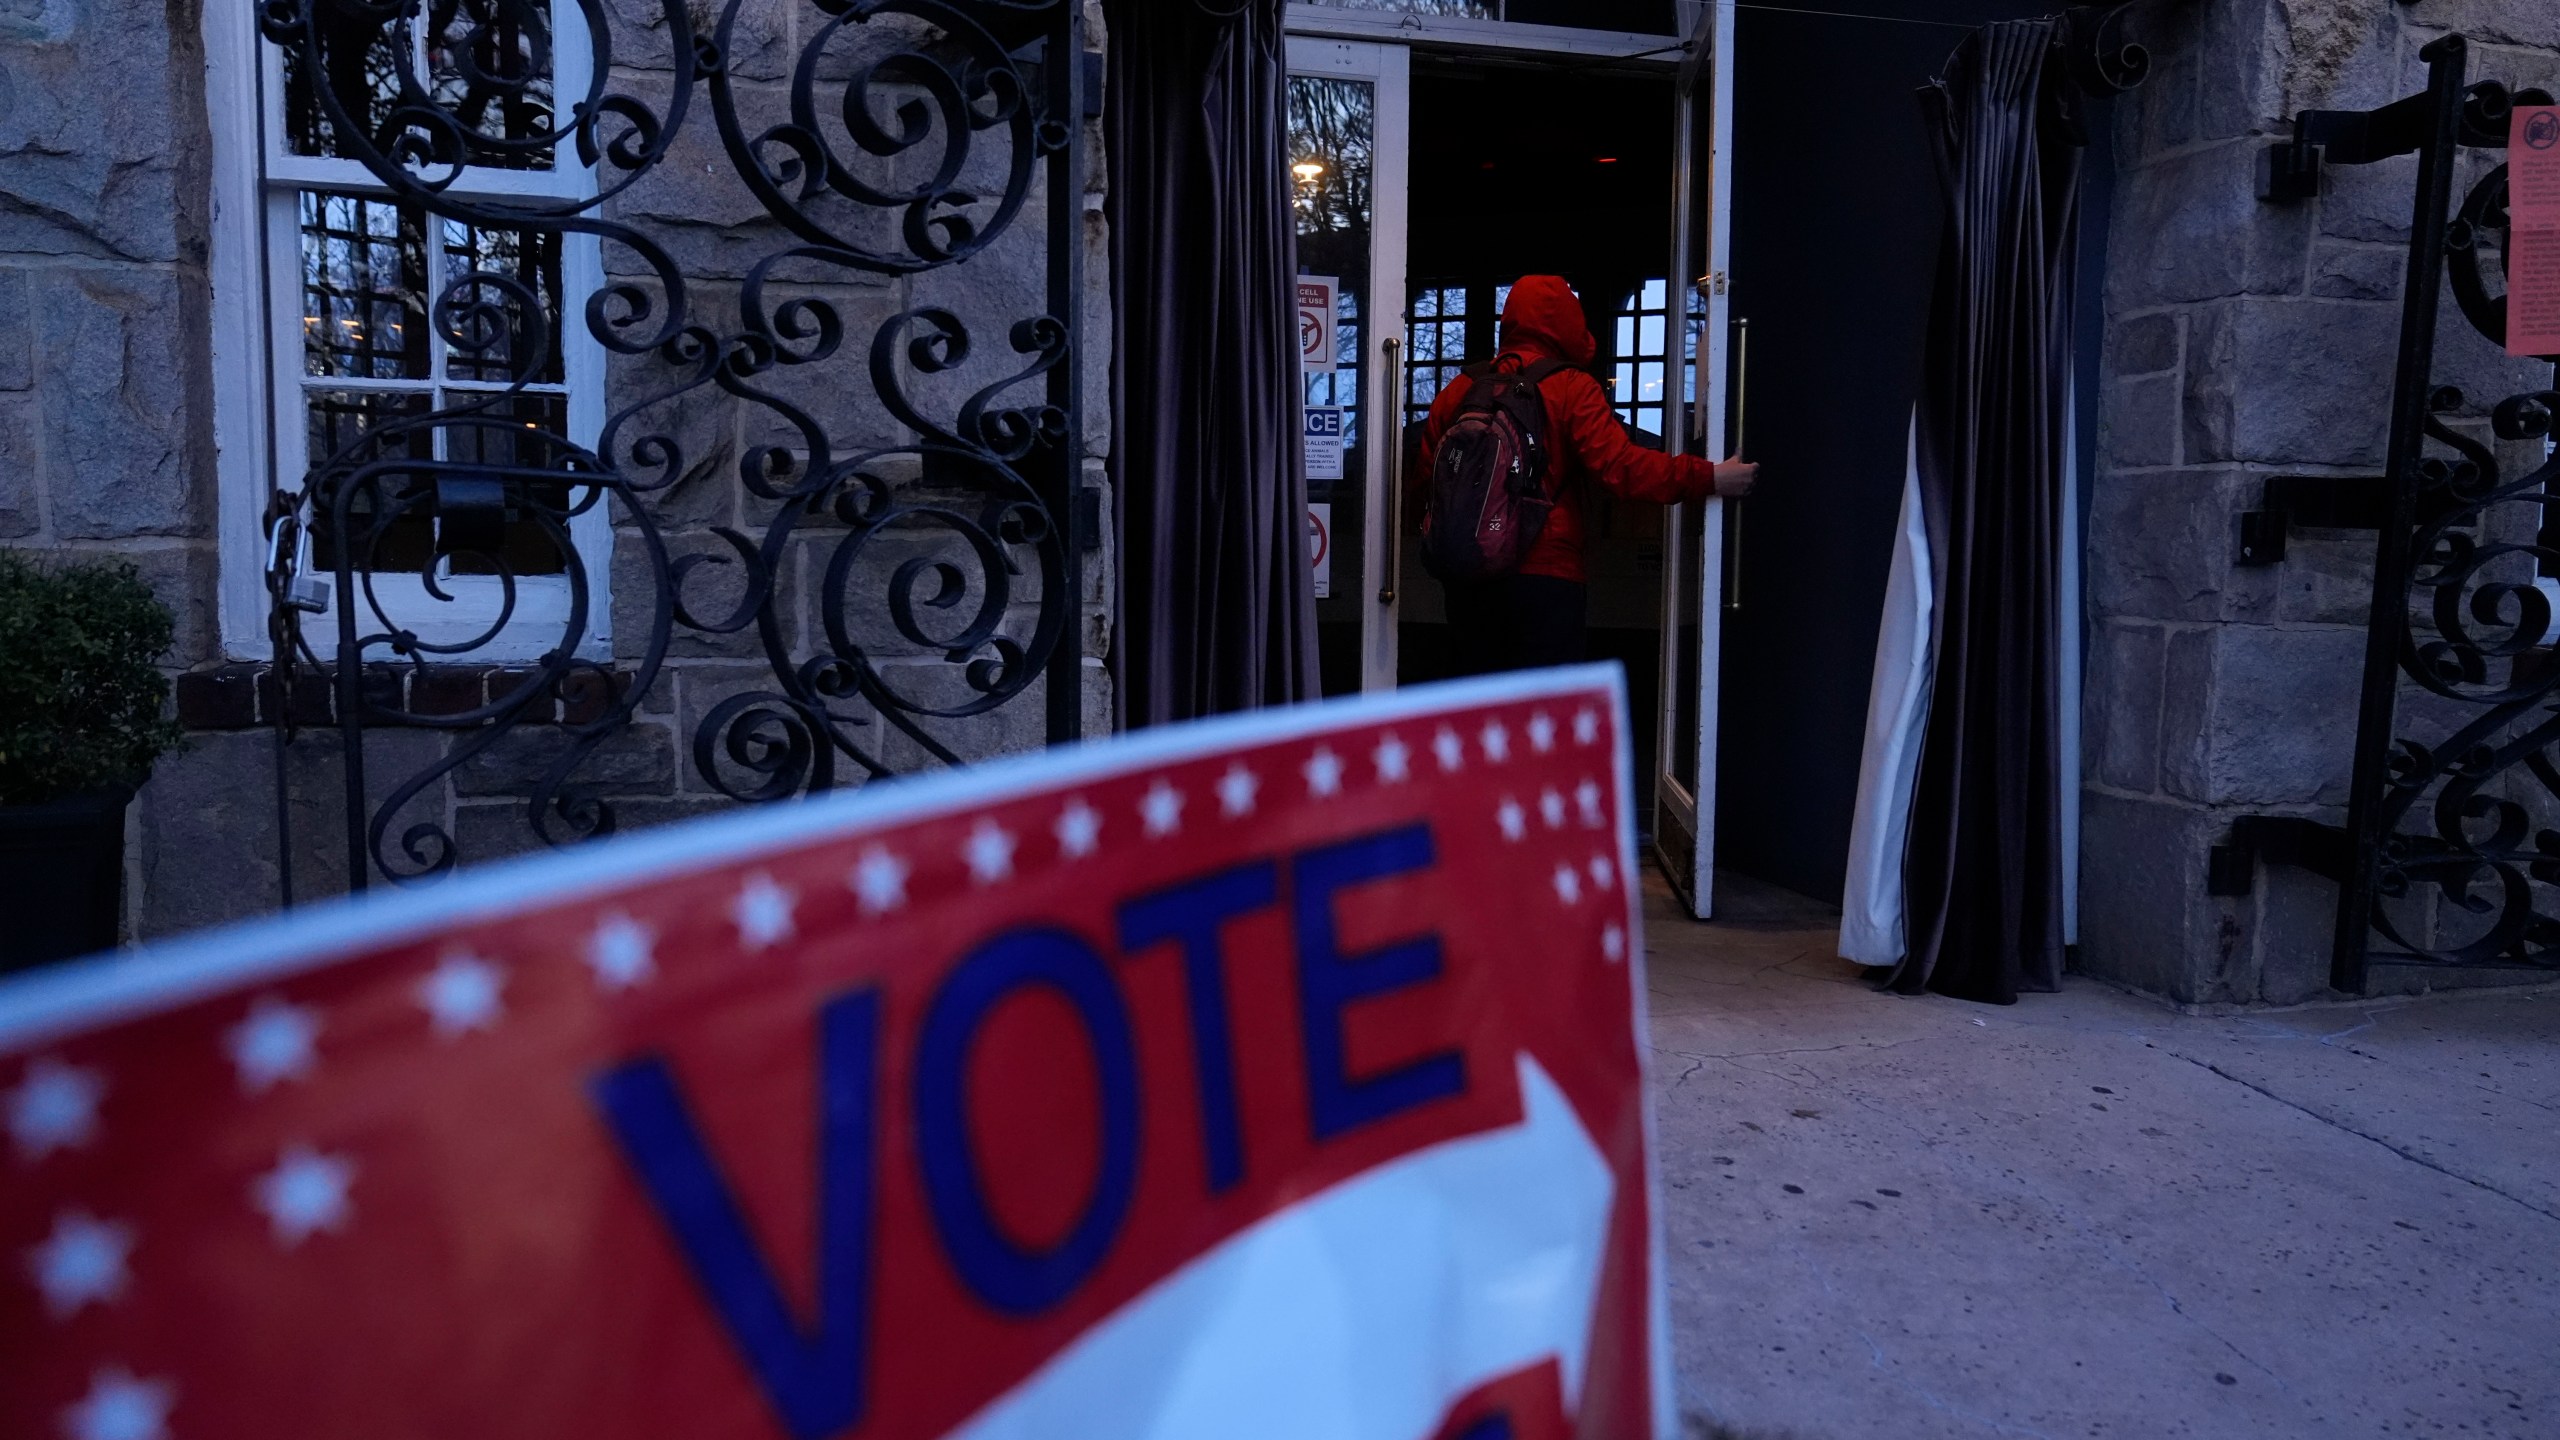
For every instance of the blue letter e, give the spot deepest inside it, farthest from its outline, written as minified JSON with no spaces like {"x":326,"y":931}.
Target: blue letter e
{"x":813,"y":1379}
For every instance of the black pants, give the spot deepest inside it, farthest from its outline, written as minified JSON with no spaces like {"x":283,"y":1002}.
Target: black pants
{"x":1516,"y":622}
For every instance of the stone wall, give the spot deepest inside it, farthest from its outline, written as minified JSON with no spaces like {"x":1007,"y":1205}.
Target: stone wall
{"x":106,"y":445}
{"x":2247,"y":339}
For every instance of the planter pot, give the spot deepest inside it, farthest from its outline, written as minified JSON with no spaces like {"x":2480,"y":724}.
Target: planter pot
{"x":61,"y":878}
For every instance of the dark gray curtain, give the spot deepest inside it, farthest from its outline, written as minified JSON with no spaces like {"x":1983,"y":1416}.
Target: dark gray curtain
{"x":1983,"y":870}
{"x":1216,"y":605}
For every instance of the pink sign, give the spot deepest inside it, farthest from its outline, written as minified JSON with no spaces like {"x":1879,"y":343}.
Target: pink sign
{"x":2533,"y":246}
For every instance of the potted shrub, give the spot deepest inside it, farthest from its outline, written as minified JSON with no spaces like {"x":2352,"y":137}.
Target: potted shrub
{"x":81,"y":721}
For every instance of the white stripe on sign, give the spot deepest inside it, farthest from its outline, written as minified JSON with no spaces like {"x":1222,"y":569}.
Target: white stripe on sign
{"x":1361,"y":1313}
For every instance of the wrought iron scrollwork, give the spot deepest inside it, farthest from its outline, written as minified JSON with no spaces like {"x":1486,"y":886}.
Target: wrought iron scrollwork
{"x":911,"y":565}
{"x":2453,"y":834}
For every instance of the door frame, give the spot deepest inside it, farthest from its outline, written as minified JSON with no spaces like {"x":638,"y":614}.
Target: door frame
{"x":1677,"y":810}
{"x":1388,"y":69}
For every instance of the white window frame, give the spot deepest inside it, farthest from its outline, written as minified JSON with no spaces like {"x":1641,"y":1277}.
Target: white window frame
{"x":256,"y":321}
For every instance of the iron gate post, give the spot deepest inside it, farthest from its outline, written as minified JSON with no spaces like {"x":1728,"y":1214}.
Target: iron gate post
{"x":2448,"y":63}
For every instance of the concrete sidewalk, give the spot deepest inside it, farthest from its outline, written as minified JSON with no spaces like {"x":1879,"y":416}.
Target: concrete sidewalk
{"x":2086,"y":1215}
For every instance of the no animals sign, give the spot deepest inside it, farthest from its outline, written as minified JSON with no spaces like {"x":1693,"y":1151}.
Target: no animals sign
{"x":1274,"y":1077}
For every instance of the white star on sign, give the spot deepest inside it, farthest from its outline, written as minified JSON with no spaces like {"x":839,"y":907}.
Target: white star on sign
{"x":1496,"y":741}
{"x":1451,"y":750}
{"x":989,"y":852}
{"x":1542,"y":732}
{"x":1514,"y":823}
{"x":1601,"y":872}
{"x":1161,"y":808}
{"x":1568,"y":885}
{"x":120,"y":1407}
{"x":763,"y":912}
{"x":622,"y":952}
{"x":879,"y":881}
{"x":1586,"y":797}
{"x":274,"y":1043}
{"x":1586,"y":726}
{"x":306,"y":1192}
{"x":1079,"y":829}
{"x":1393,"y":760}
{"x":1613,"y":943}
{"x":1236,"y":790}
{"x":81,"y":1261}
{"x":55,"y":1108}
{"x":1551,"y":807}
{"x":461,"y":994}
{"x":1324,"y":772}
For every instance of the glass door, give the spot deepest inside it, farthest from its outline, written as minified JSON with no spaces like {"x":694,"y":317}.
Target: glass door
{"x":1347,"y":149}
{"x":1694,"y":592}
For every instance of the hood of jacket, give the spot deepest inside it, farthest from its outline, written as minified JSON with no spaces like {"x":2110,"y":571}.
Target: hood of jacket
{"x":1543,"y":311}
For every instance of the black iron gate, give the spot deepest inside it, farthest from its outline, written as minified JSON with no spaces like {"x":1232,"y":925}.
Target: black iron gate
{"x":897,"y":139}
{"x":2451,"y":851}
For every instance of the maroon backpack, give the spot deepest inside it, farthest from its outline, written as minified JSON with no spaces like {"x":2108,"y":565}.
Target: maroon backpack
{"x":1489,"y":496}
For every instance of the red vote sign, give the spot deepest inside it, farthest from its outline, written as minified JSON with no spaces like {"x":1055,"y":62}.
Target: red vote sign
{"x":1271,"y":1077}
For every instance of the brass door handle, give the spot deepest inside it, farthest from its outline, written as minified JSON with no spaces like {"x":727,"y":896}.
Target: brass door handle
{"x":1733,"y":507}
{"x":1393,"y":439}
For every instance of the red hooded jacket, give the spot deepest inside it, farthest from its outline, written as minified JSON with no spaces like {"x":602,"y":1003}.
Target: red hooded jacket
{"x":1543,"y":320}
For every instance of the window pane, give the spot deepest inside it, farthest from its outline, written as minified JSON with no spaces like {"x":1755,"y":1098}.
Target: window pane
{"x":337,"y":418}
{"x":364,"y":282}
{"x":513,"y":433}
{"x":1649,"y":336}
{"x":489,"y":63}
{"x":1472,"y":9}
{"x":506,"y":336}
{"x":362,"y":64}
{"x":1654,"y":293}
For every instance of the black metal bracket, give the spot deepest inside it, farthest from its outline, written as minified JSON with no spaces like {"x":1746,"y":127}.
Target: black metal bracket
{"x":2323,"y":502}
{"x":2231,"y":867}
{"x":2290,"y":169}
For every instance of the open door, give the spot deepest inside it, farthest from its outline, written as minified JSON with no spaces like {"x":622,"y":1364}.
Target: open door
{"x":1348,"y":109}
{"x":1694,"y":591}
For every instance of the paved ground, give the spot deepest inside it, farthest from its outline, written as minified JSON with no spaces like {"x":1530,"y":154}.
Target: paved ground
{"x":2086,"y":1215}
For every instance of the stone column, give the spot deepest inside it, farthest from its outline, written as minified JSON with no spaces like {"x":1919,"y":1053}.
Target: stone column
{"x":2246,"y":339}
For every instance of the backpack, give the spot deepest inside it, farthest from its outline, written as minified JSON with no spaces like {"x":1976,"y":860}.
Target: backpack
{"x":1488,"y":498}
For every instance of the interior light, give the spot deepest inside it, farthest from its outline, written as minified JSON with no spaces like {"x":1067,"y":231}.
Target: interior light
{"x":1307,"y":169}
{"x":1604,"y":159}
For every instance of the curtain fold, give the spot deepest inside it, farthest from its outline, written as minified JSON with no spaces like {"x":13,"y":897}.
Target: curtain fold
{"x":1871,"y":902}
{"x":1214,"y":608}
{"x":1983,"y":865}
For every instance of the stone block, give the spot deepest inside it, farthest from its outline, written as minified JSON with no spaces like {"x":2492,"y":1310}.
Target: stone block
{"x":2480,"y":367}
{"x":122,"y":380}
{"x":2290,"y":382}
{"x":2143,"y":345}
{"x":207,"y":821}
{"x":2145,"y":920}
{"x":2191,"y":227}
{"x":759,"y":40}
{"x":2127,"y":665}
{"x":678,"y":447}
{"x":21,"y":467}
{"x":2296,"y":922}
{"x":77,"y":181}
{"x":2256,"y":715}
{"x":2164,"y":107}
{"x":2358,"y":272}
{"x":2240,"y":89}
{"x":2164,"y":545}
{"x":17,"y":332}
{"x":181,"y":577}
{"x":2326,"y":578}
{"x":2497,"y":20}
{"x":637,"y":758}
{"x":713,"y":590}
{"x":2141,"y":425}
{"x":2370,"y":203}
{"x":695,"y":205}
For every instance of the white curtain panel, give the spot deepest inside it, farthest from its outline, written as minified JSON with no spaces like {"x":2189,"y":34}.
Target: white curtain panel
{"x":1897,"y":713}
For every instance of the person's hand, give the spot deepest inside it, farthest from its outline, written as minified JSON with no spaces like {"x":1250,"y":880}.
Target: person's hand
{"x":1735,"y":477}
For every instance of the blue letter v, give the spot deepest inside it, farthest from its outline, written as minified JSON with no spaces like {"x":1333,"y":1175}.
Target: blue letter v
{"x":815,"y":1380}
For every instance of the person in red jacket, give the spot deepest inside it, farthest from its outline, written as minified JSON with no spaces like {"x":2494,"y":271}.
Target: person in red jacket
{"x":1534,"y":616}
